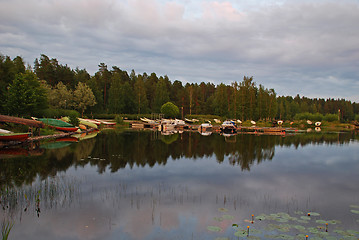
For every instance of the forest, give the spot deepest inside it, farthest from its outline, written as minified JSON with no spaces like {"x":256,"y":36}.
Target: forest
{"x":48,"y":87}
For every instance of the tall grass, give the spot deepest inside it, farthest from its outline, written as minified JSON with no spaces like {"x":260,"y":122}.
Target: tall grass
{"x":5,"y":229}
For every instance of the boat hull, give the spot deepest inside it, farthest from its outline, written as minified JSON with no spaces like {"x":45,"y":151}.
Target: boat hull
{"x":66,"y":129}
{"x":14,"y":137}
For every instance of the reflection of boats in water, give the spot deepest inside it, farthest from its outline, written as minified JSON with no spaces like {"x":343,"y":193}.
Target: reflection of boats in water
{"x":317,"y":129}
{"x":18,"y":151}
{"x":206,"y":133}
{"x":84,"y":136}
{"x":230,"y":137}
{"x":228,"y":127}
{"x":167,"y":133}
{"x":60,"y":143}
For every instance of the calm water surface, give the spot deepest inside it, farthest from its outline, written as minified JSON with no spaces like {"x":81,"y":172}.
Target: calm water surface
{"x":144,"y":185}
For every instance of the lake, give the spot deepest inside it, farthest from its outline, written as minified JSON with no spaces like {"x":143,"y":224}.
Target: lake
{"x":144,"y":185}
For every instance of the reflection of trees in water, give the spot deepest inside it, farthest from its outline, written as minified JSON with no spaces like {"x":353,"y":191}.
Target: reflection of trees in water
{"x":116,"y":150}
{"x":51,"y":193}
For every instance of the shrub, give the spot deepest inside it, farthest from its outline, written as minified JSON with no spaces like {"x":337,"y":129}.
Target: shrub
{"x":170,"y":110}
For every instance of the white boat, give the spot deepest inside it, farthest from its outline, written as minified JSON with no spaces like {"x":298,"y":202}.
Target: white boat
{"x":253,"y":122}
{"x":167,"y":125}
{"x":193,"y":120}
{"x":317,"y":124}
{"x":5,"y":131}
{"x":217,"y":120}
{"x":280,"y":122}
{"x":228,"y":127}
{"x":239,"y":121}
{"x":309,"y":122}
{"x":179,"y":122}
{"x":98,"y":123}
{"x":205,"y":127}
{"x":106,"y":122}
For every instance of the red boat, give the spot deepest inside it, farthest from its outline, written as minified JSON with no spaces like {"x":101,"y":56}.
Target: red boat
{"x":67,"y":129}
{"x":14,"y":136}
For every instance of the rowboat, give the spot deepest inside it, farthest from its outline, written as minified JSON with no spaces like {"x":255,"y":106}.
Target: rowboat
{"x":90,"y":123}
{"x":14,"y":136}
{"x":205,"y":127}
{"x":106,"y":122}
{"x":58,"y":124}
{"x":228,"y":127}
{"x":67,"y":129}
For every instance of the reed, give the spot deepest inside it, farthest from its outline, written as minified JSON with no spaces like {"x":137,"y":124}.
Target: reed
{"x":5,"y":229}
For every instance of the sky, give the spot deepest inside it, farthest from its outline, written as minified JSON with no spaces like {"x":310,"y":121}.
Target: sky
{"x":310,"y":48}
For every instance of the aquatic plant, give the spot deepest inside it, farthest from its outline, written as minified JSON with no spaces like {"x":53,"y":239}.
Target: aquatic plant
{"x":5,"y":229}
{"x":285,"y":226}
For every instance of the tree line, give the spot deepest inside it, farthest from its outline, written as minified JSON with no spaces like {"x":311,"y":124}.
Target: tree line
{"x":51,"y":85}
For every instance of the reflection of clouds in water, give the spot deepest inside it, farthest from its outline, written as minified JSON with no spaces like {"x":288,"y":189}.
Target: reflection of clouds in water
{"x":182,"y":198}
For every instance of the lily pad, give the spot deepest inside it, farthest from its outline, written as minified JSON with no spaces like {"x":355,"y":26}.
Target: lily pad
{"x":321,"y":221}
{"x":333,"y":222}
{"x":305,"y":218}
{"x":222,"y":238}
{"x":254,"y":231}
{"x":214,"y":229}
{"x":299,"y":228}
{"x":354,"y":206}
{"x":313,"y":230}
{"x":242,"y":233}
{"x":261,"y":217}
{"x":355,"y":211}
{"x":228,"y":217}
{"x":254,"y":237}
{"x":352,"y":232}
{"x":223,"y":209}
{"x":299,"y":212}
{"x":218,"y":219}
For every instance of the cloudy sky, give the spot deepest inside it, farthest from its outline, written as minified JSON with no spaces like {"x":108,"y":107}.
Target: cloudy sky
{"x":301,"y":47}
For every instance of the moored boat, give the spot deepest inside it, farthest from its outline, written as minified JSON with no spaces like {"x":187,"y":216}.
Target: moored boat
{"x":58,"y":124}
{"x":14,"y":136}
{"x":228,"y":127}
{"x":166,"y":125}
{"x":205,"y":127}
{"x":318,"y":124}
{"x":106,"y":122}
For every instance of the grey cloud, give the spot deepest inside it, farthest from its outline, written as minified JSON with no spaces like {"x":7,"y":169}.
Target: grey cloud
{"x":285,"y":45}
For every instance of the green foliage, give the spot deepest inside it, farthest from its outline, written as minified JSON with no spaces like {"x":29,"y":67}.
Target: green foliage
{"x":114,"y":91}
{"x":57,"y":113}
{"x":331,"y":117}
{"x":83,"y":97}
{"x":309,"y":116}
{"x":74,"y":120}
{"x":357,"y":117}
{"x":161,"y":95}
{"x":25,"y":95}
{"x":170,"y":110}
{"x":119,"y":119}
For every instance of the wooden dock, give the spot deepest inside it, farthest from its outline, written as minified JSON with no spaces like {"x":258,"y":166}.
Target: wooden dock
{"x":216,"y":128}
